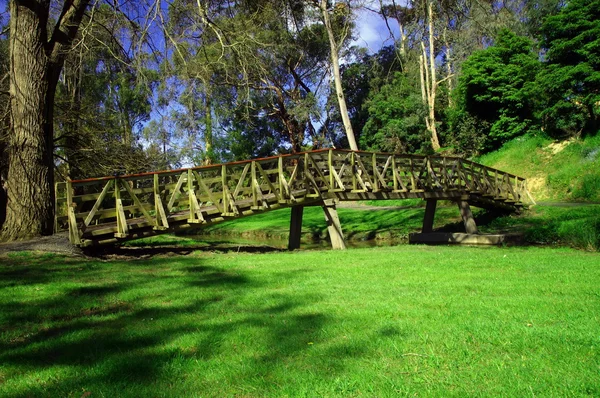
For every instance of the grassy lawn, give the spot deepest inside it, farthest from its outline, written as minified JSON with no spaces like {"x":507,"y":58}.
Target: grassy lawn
{"x":405,"y":320}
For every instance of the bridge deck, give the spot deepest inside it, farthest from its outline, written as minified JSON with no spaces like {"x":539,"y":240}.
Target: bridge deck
{"x":113,"y":209}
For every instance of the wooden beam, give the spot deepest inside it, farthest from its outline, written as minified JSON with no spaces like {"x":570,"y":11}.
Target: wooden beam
{"x":122,"y":228}
{"x":429,"y":215}
{"x":295,"y":227}
{"x":334,"y":227}
{"x":467,"y":216}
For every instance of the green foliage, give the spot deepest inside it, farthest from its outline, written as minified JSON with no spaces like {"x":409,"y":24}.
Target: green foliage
{"x":571,"y":80}
{"x":396,"y":119}
{"x":496,"y":94}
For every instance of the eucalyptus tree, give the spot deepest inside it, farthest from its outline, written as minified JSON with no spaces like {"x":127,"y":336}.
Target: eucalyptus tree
{"x":338,"y":24}
{"x":42,"y":34}
{"x":101,"y":101}
{"x":256,"y":64}
{"x":36,"y":60}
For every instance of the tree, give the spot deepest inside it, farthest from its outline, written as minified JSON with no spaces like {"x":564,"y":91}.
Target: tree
{"x":396,"y":118}
{"x":101,"y":101}
{"x":335,"y":43}
{"x":497,"y":88}
{"x":571,"y":77}
{"x":36,"y":60}
{"x":4,"y":123}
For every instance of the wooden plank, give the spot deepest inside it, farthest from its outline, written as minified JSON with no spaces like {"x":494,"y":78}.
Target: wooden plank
{"x":208,"y":191}
{"x":122,"y":228}
{"x":240,"y":183}
{"x":268,"y":181}
{"x":137,"y":202}
{"x":73,"y":230}
{"x":98,"y":203}
{"x":176,"y":191}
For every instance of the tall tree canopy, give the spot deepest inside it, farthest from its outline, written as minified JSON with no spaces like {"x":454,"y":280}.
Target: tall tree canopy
{"x":94,"y":89}
{"x":571,"y":78}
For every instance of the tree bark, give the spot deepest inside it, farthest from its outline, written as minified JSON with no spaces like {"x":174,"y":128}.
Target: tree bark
{"x":35,"y":64}
{"x":337,"y":77}
{"x":429,"y":83}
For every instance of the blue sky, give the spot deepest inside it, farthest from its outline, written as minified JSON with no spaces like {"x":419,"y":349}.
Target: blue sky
{"x":371,"y":31}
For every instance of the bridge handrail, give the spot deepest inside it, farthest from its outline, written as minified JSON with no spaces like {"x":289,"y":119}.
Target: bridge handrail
{"x":308,"y":174}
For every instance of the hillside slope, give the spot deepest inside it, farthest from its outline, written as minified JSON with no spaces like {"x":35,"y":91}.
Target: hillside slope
{"x":556,"y":171}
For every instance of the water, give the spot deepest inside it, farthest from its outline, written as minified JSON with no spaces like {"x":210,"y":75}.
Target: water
{"x":281,"y":244}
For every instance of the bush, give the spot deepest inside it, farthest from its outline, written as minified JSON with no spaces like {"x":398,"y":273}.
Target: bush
{"x":582,"y":234}
{"x":589,"y":188}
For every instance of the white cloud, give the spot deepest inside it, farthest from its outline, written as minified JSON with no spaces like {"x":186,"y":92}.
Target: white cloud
{"x":372,"y":32}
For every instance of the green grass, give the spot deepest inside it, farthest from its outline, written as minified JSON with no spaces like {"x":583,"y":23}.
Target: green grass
{"x":577,"y":226}
{"x":398,"y":321}
{"x":569,"y":174}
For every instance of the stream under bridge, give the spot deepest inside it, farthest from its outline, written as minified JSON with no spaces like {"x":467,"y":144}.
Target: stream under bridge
{"x":110,"y":210}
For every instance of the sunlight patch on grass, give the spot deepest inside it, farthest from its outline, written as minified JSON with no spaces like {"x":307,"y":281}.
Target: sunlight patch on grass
{"x":379,"y":322}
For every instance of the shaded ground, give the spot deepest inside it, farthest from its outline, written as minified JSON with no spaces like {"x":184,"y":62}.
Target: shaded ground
{"x":58,"y":243}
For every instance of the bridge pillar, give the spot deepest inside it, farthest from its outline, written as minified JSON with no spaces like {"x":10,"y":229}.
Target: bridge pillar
{"x":295,"y":227}
{"x":333,"y":225}
{"x":429,"y":215}
{"x":467,"y":216}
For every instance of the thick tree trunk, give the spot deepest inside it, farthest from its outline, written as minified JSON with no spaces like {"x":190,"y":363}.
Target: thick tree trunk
{"x":35,"y":64}
{"x":29,"y":181}
{"x":337,"y":77}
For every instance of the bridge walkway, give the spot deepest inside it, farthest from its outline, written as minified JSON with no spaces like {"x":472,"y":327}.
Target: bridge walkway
{"x":114,"y":209}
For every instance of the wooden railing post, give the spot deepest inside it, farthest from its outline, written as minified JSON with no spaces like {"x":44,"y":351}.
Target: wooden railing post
{"x":159,"y":210}
{"x":281,"y":177}
{"x":122,"y":229}
{"x":73,"y":230}
{"x":254,"y":184}
{"x":306,"y":171}
{"x":224,"y":184}
{"x":354,"y":171}
{"x":330,"y":166}
{"x":190,"y":184}
{"x":395,"y":173}
{"x":375,"y":186}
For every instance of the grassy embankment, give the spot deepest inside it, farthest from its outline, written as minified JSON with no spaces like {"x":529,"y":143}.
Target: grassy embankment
{"x":567,"y":171}
{"x":404,"y":320}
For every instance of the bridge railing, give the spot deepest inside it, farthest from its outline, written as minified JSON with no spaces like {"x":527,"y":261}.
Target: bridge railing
{"x":162,"y":200}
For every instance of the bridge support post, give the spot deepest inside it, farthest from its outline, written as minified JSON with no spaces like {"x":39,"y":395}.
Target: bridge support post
{"x":333,"y":225}
{"x":467,"y":216}
{"x":295,"y":227}
{"x":429,"y":215}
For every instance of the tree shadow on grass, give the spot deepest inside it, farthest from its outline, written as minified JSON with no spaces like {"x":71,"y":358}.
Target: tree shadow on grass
{"x":148,"y":251}
{"x":132,"y":334}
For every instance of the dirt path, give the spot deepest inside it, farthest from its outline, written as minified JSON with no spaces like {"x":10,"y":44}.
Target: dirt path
{"x":58,"y":243}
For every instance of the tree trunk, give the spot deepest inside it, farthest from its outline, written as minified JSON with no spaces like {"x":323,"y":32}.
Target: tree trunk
{"x":337,"y":77}
{"x":30,"y":174}
{"x":429,"y":83}
{"x":35,"y":64}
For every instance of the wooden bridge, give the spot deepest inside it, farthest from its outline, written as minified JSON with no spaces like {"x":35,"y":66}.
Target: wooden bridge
{"x":114,"y":209}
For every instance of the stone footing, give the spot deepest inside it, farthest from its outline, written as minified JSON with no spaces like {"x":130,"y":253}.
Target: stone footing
{"x":443,"y":238}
